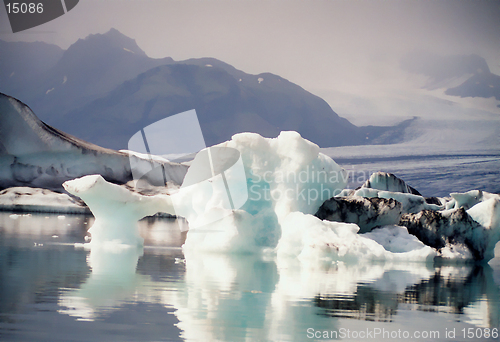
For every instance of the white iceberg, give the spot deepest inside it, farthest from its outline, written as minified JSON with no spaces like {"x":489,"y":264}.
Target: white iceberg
{"x":266,"y":202}
{"x":314,"y":241}
{"x":116,"y":210}
{"x":283,"y":175}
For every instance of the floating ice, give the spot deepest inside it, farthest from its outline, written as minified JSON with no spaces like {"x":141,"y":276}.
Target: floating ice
{"x":367,"y":213}
{"x":37,"y":155}
{"x":39,"y":200}
{"x":262,"y":199}
{"x":312,"y":240}
{"x":116,"y":210}
{"x":283,"y":175}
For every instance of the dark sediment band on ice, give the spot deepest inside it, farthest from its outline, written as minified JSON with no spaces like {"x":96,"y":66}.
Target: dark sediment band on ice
{"x":367,"y":213}
{"x":453,"y":227}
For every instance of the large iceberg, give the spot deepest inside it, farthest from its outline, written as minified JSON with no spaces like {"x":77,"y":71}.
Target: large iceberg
{"x":37,"y":155}
{"x":282,"y":175}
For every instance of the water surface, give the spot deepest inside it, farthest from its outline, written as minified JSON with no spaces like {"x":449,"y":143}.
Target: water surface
{"x":52,"y":291}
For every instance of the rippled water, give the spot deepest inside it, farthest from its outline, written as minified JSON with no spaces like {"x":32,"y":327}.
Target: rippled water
{"x":52,"y":291}
{"x":432,"y":171}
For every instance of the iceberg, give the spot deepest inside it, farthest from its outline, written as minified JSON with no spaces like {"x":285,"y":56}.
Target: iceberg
{"x":283,"y":175}
{"x":367,"y":213}
{"x":37,"y":155}
{"x":263,"y":198}
{"x":388,"y":182}
{"x":280,"y":176}
{"x":22,"y":199}
{"x":116,"y":210}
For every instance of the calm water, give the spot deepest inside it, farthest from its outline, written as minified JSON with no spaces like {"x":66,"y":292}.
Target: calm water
{"x":52,"y":291}
{"x":430,"y":170}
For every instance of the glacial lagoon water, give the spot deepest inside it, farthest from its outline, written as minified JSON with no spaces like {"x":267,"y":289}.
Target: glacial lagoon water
{"x":51,"y":290}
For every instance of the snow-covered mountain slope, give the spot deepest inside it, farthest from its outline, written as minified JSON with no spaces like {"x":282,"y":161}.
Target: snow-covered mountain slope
{"x":35,"y":154}
{"x":459,"y":75}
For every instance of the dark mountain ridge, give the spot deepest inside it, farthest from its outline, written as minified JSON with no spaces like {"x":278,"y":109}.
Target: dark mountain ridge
{"x":104,"y":88}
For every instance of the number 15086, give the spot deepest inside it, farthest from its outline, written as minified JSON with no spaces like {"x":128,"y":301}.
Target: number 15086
{"x":24,"y":8}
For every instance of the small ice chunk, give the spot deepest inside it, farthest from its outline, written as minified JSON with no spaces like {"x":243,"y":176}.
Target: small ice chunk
{"x":116,"y":210}
{"x":312,"y":240}
{"x":395,"y":239}
{"x":388,"y":182}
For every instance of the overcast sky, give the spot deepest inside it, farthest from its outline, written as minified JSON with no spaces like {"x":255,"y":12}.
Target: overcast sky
{"x":344,"y":51}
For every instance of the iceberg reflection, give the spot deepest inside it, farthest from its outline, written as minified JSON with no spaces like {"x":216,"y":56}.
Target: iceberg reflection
{"x":236,"y":297}
{"x":227,"y":297}
{"x":113,"y":280}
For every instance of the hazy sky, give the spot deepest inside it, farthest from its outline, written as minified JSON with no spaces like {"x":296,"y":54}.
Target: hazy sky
{"x":345,"y":51}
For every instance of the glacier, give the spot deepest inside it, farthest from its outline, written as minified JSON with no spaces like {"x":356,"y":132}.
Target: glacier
{"x":288,"y":181}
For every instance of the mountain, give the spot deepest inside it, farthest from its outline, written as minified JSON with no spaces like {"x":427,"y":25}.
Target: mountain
{"x":104,"y":88}
{"x":22,"y":63}
{"x":84,"y":72}
{"x":479,"y":85}
{"x":225,"y":105}
{"x":440,"y":68}
{"x":471,"y":71}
